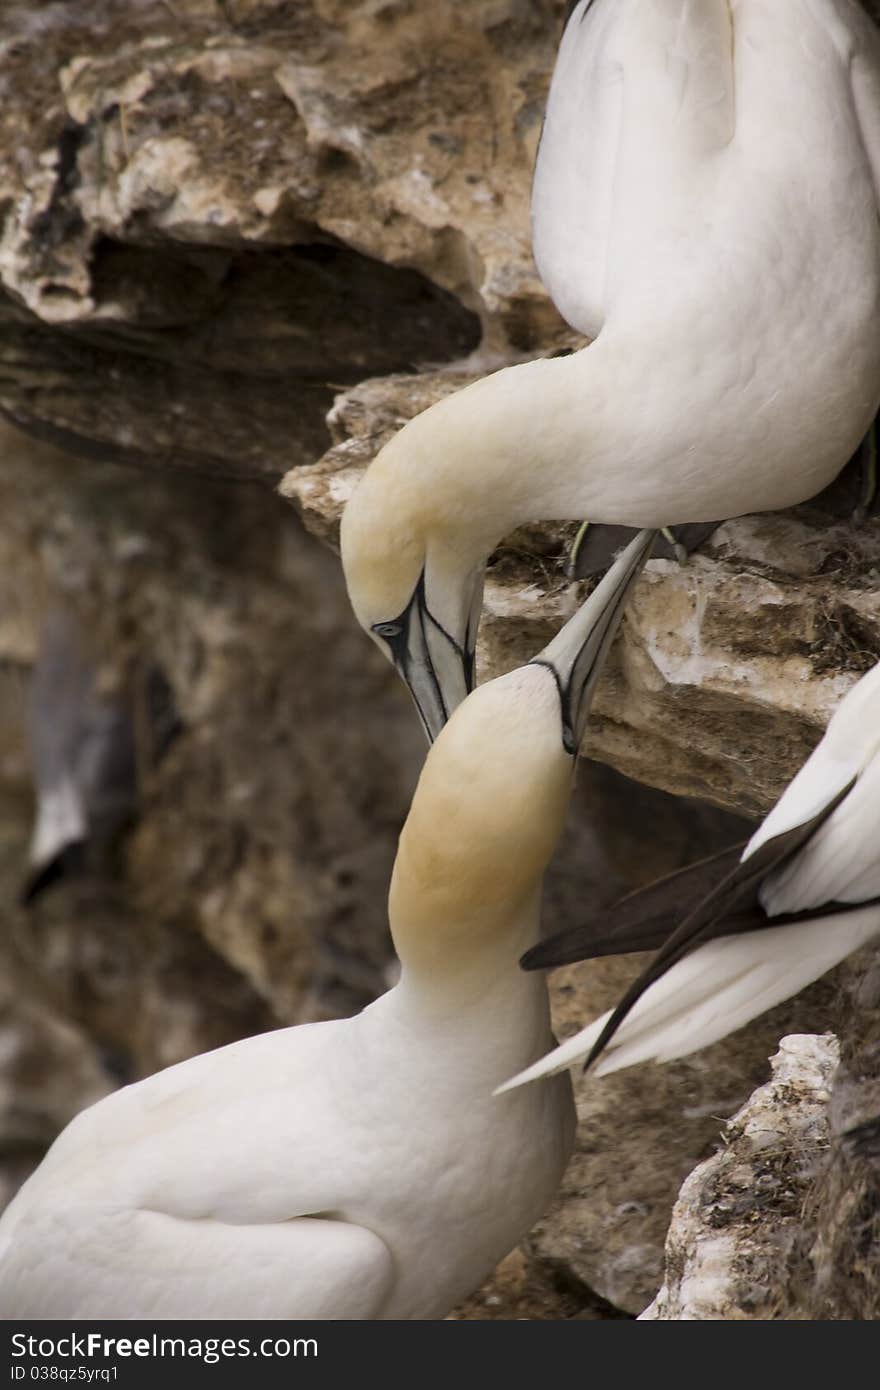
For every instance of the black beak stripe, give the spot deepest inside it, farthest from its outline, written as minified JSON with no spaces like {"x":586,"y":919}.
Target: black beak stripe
{"x":412,"y":639}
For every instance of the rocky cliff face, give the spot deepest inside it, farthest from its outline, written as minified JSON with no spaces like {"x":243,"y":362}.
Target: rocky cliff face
{"x":243,"y":239}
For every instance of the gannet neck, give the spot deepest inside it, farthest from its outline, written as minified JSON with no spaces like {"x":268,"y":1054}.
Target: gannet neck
{"x":473,"y":998}
{"x":541,"y":438}
{"x":485,"y":819}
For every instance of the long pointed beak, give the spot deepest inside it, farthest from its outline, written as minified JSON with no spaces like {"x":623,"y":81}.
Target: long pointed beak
{"x":578,"y":651}
{"x":437,"y":670}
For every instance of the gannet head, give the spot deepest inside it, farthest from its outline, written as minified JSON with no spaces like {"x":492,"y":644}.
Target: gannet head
{"x":413,"y":553}
{"x":442,"y":493}
{"x":493,"y":794}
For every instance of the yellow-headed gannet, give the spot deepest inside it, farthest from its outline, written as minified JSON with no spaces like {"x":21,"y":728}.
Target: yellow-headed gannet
{"x":706,"y":207}
{"x":359,"y":1168}
{"x":803,"y":894}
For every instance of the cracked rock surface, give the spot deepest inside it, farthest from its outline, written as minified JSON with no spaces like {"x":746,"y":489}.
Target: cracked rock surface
{"x":736,"y":1227}
{"x":782,"y":1222}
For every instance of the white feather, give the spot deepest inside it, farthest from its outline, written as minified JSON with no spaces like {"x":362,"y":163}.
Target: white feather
{"x":714,"y":991}
{"x":657,"y":107}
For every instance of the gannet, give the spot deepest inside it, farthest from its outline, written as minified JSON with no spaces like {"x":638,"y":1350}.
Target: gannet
{"x":359,"y":1168}
{"x":88,"y":747}
{"x":802,"y":895}
{"x":705,"y":208}
{"x":82,"y":748}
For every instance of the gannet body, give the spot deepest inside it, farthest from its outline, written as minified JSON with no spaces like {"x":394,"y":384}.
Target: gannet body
{"x":358,"y":1168}
{"x":706,"y":207}
{"x":321,"y":1172}
{"x":804,"y":894}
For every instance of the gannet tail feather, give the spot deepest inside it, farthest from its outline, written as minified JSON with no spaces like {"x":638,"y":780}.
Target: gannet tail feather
{"x":712,"y":992}
{"x":736,"y":894}
{"x":642,"y":921}
{"x":691,"y":999}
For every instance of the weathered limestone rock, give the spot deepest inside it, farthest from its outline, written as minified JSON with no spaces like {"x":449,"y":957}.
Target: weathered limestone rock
{"x":642,"y":1131}
{"x":737,"y":1225}
{"x":212,"y":213}
{"x":783,"y":1221}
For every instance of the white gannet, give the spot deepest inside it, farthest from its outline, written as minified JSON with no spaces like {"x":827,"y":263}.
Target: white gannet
{"x":803,"y":894}
{"x":706,"y":208}
{"x":359,"y":1168}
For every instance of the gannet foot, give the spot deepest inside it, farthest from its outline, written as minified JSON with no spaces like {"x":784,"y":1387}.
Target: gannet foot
{"x":596,"y":545}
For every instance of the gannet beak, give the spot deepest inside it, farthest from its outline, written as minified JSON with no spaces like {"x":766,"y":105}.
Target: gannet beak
{"x":577,"y":653}
{"x":438,"y":670}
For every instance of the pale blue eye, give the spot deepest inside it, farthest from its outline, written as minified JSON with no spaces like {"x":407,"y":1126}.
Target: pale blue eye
{"x":388,"y":629}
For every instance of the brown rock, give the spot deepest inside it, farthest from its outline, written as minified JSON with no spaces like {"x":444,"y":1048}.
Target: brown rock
{"x":223,"y":210}
{"x":252,"y":889}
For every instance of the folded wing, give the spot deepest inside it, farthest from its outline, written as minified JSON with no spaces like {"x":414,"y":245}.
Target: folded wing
{"x":640,"y":88}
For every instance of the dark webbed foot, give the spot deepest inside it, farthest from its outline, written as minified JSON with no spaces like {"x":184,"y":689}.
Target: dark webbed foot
{"x":596,"y":545}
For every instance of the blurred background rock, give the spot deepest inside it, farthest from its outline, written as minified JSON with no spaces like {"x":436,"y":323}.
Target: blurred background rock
{"x":217,"y":220}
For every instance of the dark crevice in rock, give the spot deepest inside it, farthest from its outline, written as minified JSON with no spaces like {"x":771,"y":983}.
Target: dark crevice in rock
{"x":221,"y":363}
{"x":59,"y":220}
{"x":310,"y":309}
{"x":100,"y":451}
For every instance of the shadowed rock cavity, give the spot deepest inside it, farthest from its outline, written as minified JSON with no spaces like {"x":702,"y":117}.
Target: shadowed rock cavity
{"x":227,"y":363}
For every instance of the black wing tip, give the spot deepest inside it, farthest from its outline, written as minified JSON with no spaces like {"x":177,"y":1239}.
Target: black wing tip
{"x":68,"y":862}
{"x":566,"y":948}
{"x":572,"y":6}
{"x":741,"y":889}
{"x":533,"y":960}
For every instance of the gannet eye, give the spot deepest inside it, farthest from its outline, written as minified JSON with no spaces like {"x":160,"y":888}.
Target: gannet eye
{"x":387,"y":629}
